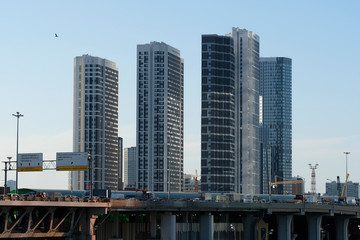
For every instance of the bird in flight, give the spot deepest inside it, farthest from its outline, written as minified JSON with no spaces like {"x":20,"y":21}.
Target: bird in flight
{"x":56,"y":35}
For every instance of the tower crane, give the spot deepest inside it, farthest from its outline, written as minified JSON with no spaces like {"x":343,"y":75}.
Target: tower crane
{"x":276,"y":182}
{"x":342,"y":194}
{"x":196,"y":184}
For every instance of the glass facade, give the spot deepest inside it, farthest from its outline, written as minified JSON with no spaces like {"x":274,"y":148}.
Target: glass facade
{"x":130,"y":167}
{"x":230,"y":158}
{"x":218,"y":114}
{"x":276,"y":121}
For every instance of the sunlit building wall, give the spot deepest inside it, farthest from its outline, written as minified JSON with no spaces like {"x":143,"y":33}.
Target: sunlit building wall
{"x":160,"y":117}
{"x":95,"y":127}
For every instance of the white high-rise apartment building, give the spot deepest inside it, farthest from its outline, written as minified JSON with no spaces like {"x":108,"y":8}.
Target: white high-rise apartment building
{"x":130,"y":167}
{"x":96,"y":121}
{"x":160,"y":117}
{"x":247,"y":146}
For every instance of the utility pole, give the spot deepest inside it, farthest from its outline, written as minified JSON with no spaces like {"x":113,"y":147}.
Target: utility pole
{"x":6,"y":169}
{"x":346,"y":154}
{"x":267,"y":173}
{"x":90,"y":173}
{"x":313,"y":179}
{"x":18,"y":116}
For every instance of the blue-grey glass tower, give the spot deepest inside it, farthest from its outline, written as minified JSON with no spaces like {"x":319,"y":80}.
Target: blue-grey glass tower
{"x":218,"y":114}
{"x":276,"y":120}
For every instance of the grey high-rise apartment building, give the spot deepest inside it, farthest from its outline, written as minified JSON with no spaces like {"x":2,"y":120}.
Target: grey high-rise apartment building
{"x":130,"y":167}
{"x":160,"y":117}
{"x":96,"y":121}
{"x":276,"y":120}
{"x":230,"y":158}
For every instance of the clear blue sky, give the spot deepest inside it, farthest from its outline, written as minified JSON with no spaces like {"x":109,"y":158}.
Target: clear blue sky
{"x":36,"y":71}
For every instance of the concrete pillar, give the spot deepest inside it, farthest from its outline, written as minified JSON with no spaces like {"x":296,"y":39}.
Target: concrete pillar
{"x":92,"y":220}
{"x":168,"y":227}
{"x":153,"y":225}
{"x":314,"y":225}
{"x":185,"y":217}
{"x":117,"y":225}
{"x":284,"y":226}
{"x":341,"y":224}
{"x":206,"y":227}
{"x":250,"y":227}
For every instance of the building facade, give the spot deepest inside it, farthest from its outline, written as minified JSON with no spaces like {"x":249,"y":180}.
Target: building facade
{"x":276,"y":121}
{"x":130,"y":167}
{"x":352,"y":189}
{"x":160,"y":117}
{"x":95,"y":126}
{"x":121,"y":164}
{"x":247,"y":145}
{"x":230,"y":156}
{"x":218,"y":114}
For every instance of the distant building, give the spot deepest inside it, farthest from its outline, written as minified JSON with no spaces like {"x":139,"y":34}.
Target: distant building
{"x":121,"y":164}
{"x":96,"y":121}
{"x":351,"y":187}
{"x":189,"y":183}
{"x":11,"y":184}
{"x":276,"y":121}
{"x":130,"y":167}
{"x":298,"y":188}
{"x":160,"y":118}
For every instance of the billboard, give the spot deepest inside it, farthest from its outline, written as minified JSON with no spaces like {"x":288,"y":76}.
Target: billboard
{"x":72,"y":161}
{"x":29,"y":162}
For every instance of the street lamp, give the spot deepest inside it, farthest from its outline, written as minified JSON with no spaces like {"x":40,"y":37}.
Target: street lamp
{"x":18,"y":116}
{"x":90,"y":173}
{"x":346,"y":154}
{"x":6,"y":169}
{"x":267,"y":172}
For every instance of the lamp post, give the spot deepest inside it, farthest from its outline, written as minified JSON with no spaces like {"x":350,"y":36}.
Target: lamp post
{"x":6,"y":169}
{"x":267,"y":173}
{"x":18,"y":116}
{"x":346,"y":155}
{"x":90,"y":173}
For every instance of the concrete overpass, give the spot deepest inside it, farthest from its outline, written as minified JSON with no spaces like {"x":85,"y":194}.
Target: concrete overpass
{"x":170,"y":219}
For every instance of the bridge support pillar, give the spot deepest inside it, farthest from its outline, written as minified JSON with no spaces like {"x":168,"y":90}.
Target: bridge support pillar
{"x":153,"y":224}
{"x":168,"y":227}
{"x":206,"y":227}
{"x":250,"y":227}
{"x":117,"y":225}
{"x":185,"y":217}
{"x":341,"y":224}
{"x":314,"y":225}
{"x":284,"y":226}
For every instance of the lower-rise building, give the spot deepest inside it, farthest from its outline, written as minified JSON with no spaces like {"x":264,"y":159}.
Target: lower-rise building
{"x":352,"y":189}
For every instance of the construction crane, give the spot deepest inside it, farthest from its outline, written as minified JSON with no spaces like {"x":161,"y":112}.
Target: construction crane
{"x":342,"y":194}
{"x":276,"y":182}
{"x":196,"y":184}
